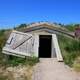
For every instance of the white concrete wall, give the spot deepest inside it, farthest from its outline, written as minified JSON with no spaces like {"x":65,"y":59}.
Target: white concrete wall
{"x":56,"y":47}
{"x":53,"y":53}
{"x":36,"y":45}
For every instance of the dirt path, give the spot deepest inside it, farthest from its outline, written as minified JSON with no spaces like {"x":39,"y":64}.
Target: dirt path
{"x":50,"y":69}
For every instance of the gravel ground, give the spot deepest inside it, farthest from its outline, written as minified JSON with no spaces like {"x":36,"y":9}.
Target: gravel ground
{"x":51,"y":69}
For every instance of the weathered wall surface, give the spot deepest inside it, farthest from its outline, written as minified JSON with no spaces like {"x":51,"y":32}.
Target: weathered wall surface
{"x":20,"y":43}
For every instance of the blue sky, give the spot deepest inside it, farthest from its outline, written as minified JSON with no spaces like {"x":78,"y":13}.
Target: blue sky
{"x":15,"y":12}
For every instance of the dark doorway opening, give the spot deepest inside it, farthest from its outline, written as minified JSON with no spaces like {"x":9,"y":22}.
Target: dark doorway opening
{"x":45,"y":46}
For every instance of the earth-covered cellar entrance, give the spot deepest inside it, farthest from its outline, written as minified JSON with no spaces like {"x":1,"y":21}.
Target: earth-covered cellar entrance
{"x":45,"y":46}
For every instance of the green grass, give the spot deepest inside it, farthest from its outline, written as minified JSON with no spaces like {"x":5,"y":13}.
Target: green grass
{"x":70,"y":49}
{"x":15,"y":61}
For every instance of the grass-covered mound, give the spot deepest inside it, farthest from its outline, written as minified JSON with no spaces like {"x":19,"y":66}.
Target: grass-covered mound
{"x":70,"y":49}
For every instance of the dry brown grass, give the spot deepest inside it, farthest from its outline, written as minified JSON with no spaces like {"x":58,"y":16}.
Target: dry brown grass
{"x":76,"y":64}
{"x":16,"y":73}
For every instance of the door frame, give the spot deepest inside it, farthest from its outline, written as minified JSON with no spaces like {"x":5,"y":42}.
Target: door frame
{"x":51,"y":44}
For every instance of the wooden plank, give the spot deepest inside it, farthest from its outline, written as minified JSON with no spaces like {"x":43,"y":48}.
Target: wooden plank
{"x":20,"y":43}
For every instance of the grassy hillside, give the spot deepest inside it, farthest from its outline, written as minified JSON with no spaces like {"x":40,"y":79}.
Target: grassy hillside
{"x":70,"y":49}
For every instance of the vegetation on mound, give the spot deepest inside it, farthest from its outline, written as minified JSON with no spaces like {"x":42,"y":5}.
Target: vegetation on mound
{"x":70,"y":49}
{"x":72,"y":27}
{"x":15,"y":61}
{"x":21,"y":27}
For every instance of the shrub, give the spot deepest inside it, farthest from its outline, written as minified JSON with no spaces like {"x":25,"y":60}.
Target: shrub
{"x":73,"y":46}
